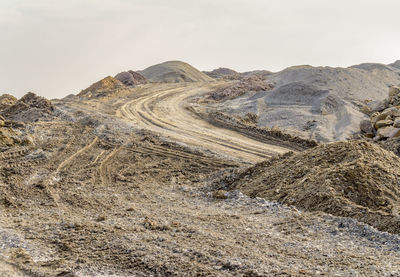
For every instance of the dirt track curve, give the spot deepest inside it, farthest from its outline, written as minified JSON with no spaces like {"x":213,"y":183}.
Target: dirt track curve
{"x":164,"y":109}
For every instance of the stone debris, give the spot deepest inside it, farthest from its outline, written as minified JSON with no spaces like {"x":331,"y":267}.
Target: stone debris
{"x":384,"y":122}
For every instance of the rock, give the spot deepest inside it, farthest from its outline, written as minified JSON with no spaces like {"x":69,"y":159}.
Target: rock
{"x":396,"y":123}
{"x":382,"y":123}
{"x":366,"y":126}
{"x":393,"y":91}
{"x":392,"y":112}
{"x":388,"y":132}
{"x":377,"y":106}
{"x":2,"y":123}
{"x":377,"y":117}
{"x":220,"y":194}
{"x":131,"y":78}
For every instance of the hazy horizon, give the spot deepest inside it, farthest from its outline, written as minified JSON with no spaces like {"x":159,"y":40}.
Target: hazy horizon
{"x":55,"y":48}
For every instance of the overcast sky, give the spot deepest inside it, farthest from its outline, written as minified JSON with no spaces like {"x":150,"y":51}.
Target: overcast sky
{"x":58,"y":47}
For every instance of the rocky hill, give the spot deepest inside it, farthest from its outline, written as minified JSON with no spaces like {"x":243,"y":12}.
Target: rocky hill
{"x":174,"y":72}
{"x":321,"y":103}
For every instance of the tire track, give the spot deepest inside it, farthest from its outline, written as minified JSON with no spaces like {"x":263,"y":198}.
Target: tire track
{"x":163,"y":109}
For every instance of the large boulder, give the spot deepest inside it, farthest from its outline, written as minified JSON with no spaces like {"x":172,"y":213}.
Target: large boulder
{"x":367,"y":128}
{"x":383,"y":123}
{"x":388,"y":132}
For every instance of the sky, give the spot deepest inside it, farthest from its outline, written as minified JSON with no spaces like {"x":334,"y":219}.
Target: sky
{"x":58,"y":47}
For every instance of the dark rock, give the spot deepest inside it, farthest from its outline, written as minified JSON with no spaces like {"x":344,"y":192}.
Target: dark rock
{"x":131,"y":78}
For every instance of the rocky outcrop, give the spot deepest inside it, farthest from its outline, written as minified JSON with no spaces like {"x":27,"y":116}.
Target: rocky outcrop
{"x":131,"y":78}
{"x":384,"y":121}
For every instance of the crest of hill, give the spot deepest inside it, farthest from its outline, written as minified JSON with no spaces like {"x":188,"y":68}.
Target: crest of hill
{"x":104,"y":85}
{"x":354,"y":179}
{"x":174,"y":72}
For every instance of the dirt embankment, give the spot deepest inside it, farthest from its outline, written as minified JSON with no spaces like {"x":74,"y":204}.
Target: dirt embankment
{"x":353,"y":179}
{"x":247,"y":126}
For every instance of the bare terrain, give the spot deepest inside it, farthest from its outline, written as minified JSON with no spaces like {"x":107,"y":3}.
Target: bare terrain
{"x":143,"y":180}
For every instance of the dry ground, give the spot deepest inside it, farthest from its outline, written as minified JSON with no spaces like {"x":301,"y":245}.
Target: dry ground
{"x":121,"y":186}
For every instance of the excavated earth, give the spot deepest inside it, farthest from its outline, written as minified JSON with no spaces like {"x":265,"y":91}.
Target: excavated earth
{"x":125,"y":183}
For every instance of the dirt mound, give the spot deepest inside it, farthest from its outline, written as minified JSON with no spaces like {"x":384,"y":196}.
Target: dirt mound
{"x":334,"y":114}
{"x":30,"y":107}
{"x":130,"y":78}
{"x":223,"y":73}
{"x":354,"y":179}
{"x":6,"y":101}
{"x":174,"y":72}
{"x":248,"y":84}
{"x":101,"y":87}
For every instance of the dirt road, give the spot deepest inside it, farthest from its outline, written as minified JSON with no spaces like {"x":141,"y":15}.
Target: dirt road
{"x":164,"y":109}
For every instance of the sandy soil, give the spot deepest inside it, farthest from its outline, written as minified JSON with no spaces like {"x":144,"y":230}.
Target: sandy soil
{"x":172,"y":119}
{"x":122,"y":185}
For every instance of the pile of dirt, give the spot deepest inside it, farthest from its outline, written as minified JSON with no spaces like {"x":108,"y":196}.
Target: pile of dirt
{"x":384,"y":121}
{"x":174,"y":72}
{"x":248,"y":84}
{"x":130,"y":78}
{"x":30,"y":107}
{"x":102,"y":87}
{"x":353,"y":179}
{"x":223,"y":73}
{"x":7,"y":100}
{"x":323,"y":103}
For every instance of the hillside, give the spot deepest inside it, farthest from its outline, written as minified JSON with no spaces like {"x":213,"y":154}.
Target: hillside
{"x":321,"y":103}
{"x":174,"y":72}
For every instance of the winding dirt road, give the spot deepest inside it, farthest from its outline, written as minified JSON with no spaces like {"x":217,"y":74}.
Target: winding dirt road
{"x":163,"y":108}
